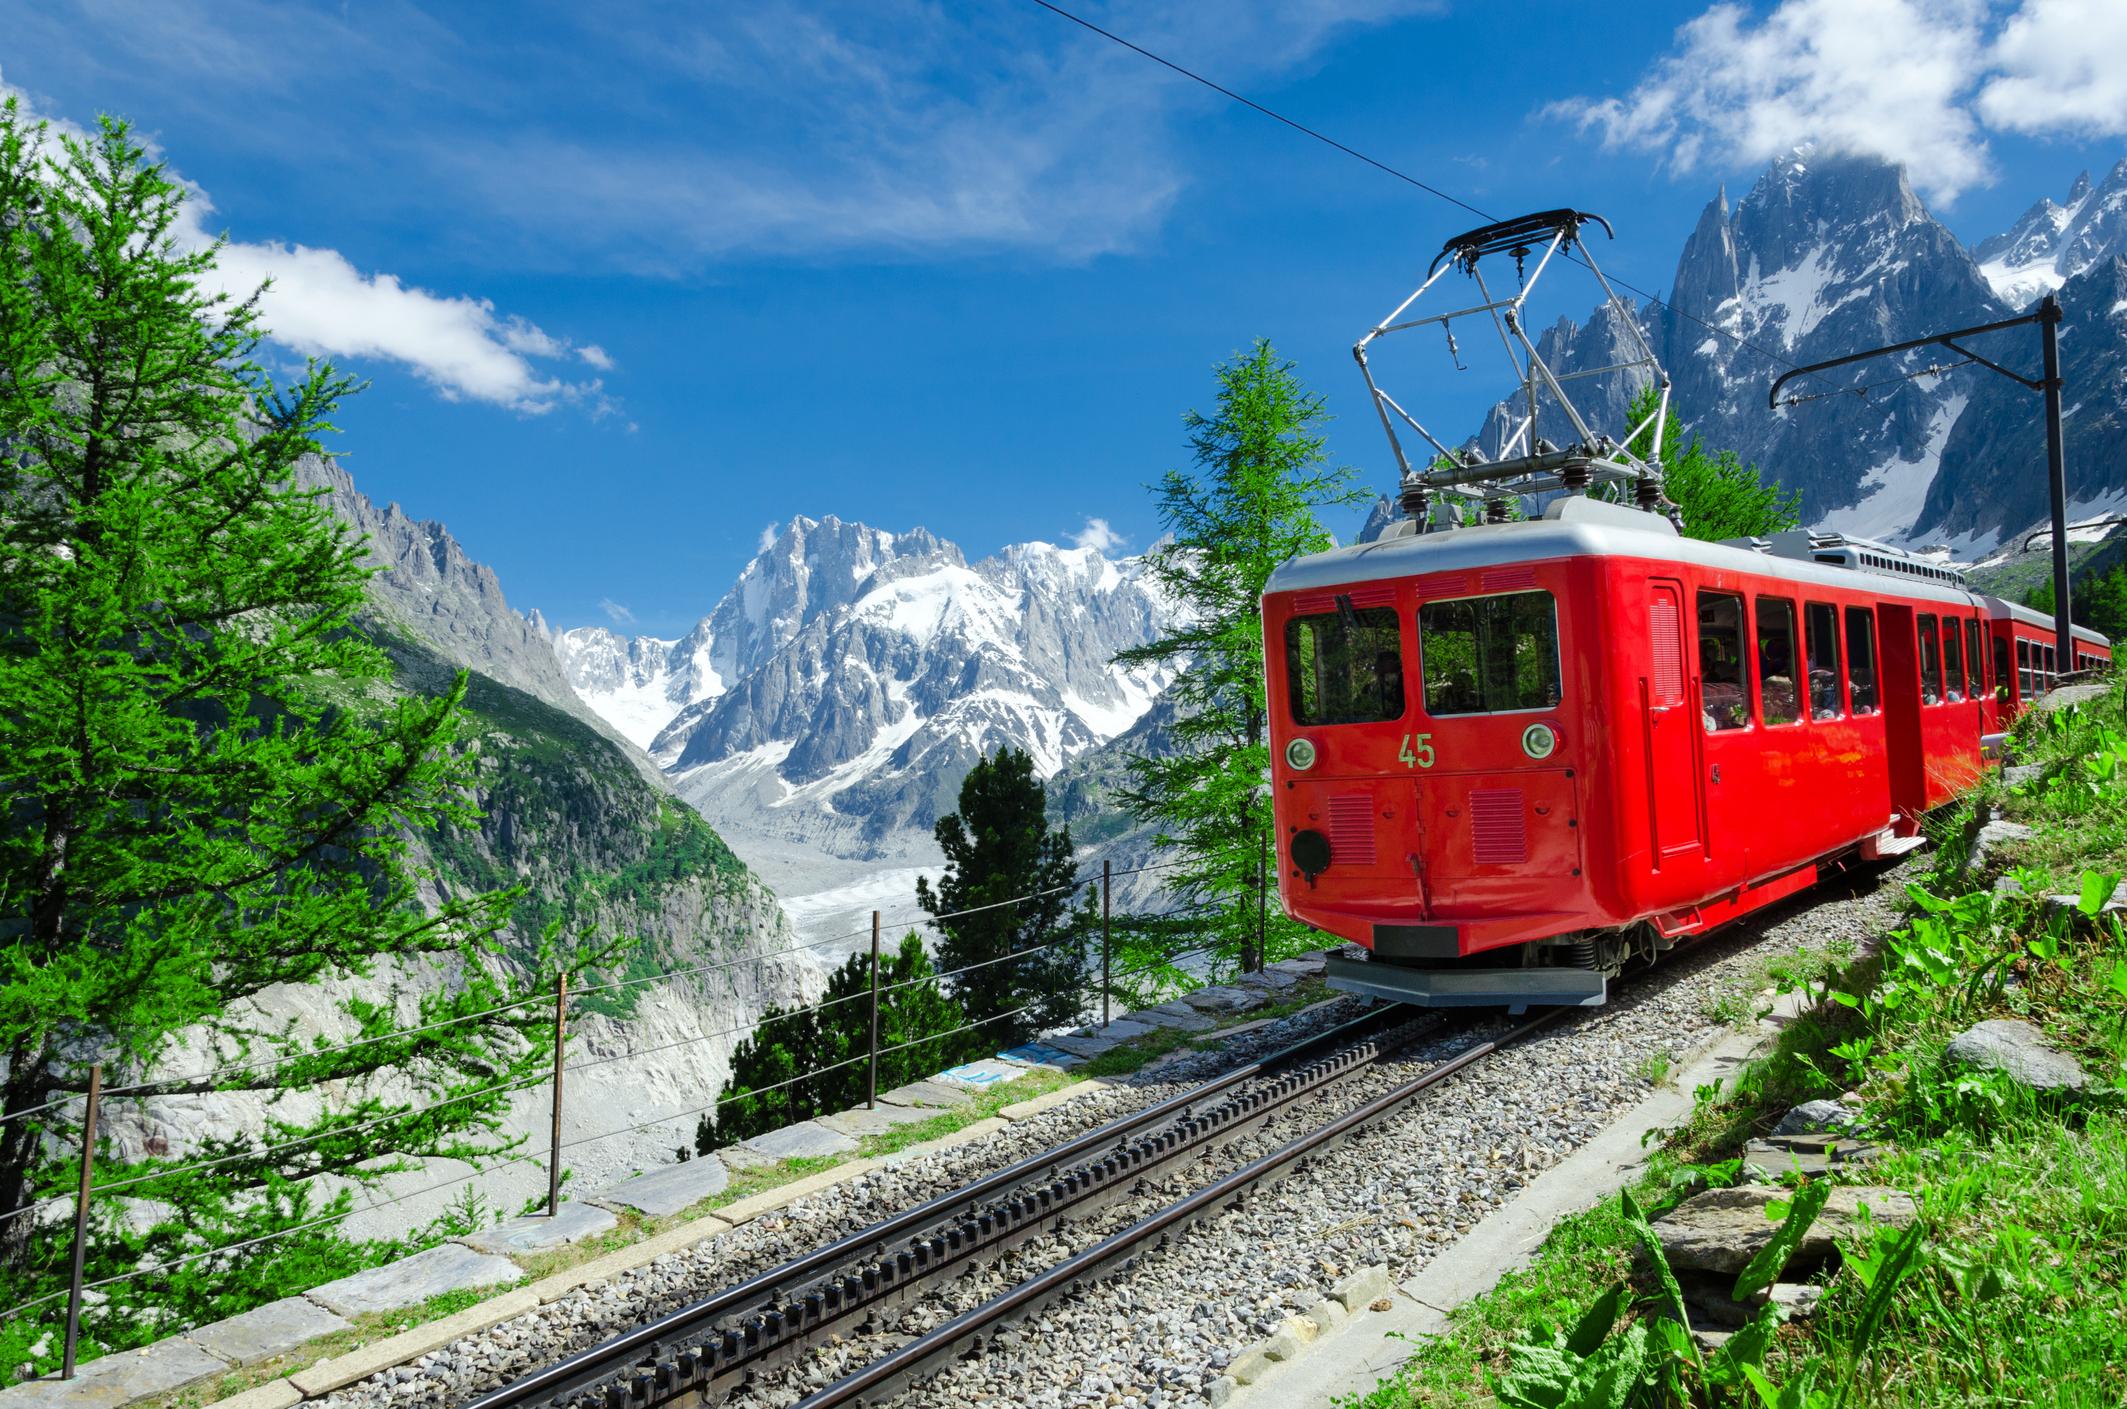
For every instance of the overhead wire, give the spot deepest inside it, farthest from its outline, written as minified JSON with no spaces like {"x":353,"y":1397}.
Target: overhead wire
{"x":1382,"y":166}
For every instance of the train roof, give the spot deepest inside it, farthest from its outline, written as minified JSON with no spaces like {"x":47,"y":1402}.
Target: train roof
{"x":1577,"y":526}
{"x":1999,"y":610}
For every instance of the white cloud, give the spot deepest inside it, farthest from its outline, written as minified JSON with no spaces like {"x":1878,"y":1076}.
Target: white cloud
{"x":1097,"y":536}
{"x":597,"y":356}
{"x":321,"y":305}
{"x":768,"y":537}
{"x":615,"y":612}
{"x":1916,"y":81}
{"x":2063,"y":68}
{"x":1882,"y":76}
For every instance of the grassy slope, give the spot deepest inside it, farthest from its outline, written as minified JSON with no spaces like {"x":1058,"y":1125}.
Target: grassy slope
{"x":2016,"y":1290}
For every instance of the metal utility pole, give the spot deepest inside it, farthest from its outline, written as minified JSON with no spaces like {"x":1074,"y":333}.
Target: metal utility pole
{"x":2048,"y":318}
{"x":561,"y":1009}
{"x":871,"y":1084}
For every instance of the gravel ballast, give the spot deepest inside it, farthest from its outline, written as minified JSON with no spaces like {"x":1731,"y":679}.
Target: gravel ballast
{"x":1161,"y":1333}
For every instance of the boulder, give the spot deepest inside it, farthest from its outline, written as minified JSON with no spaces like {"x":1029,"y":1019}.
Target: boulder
{"x":2016,"y":1047}
{"x":2018,"y":775}
{"x":1813,"y":1117}
{"x":1987,"y":846}
{"x":2072,"y":905}
{"x":1722,"y":1229}
{"x":2068,"y":696}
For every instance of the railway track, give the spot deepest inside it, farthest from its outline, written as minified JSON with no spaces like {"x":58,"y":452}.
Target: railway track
{"x":725,"y":1345}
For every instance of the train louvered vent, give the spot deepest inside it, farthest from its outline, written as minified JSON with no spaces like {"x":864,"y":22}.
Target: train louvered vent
{"x":1668,"y":652}
{"x":1351,"y":829}
{"x":1361,"y":597}
{"x":1506,"y":579}
{"x":1499,"y":826}
{"x":1442,"y":584}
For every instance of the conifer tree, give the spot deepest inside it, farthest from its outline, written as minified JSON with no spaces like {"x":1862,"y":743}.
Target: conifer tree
{"x":1007,"y":888}
{"x":208,"y":788}
{"x":1247,"y":506}
{"x":813,"y":1060}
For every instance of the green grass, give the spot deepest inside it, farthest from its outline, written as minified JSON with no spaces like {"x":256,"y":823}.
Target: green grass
{"x":2015,"y":1291}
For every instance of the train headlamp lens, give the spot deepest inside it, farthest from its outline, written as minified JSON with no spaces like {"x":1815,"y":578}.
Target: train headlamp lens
{"x":1539,"y":741}
{"x":1300,"y":755}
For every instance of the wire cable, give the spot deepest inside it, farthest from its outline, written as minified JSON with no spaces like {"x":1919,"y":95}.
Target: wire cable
{"x":1384,"y":167}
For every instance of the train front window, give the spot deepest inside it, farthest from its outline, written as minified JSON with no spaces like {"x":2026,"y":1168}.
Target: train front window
{"x":1930,"y":661}
{"x":1489,"y":655}
{"x":1861,"y":659}
{"x":1953,"y":662}
{"x":1344,"y":667}
{"x":1820,"y":621}
{"x":1777,"y":699}
{"x":1723,"y":693}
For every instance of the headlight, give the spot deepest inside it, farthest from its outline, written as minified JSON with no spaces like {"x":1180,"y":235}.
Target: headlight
{"x":1539,"y":741}
{"x":1300,"y":755}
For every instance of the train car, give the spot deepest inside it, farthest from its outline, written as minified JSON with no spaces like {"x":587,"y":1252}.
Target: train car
{"x":1510,"y":759}
{"x":2025,"y":646}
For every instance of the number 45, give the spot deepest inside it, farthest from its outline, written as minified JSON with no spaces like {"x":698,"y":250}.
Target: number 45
{"x":1417,"y":751}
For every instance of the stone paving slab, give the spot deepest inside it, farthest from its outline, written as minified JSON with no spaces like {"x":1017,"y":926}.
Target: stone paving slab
{"x":1276,"y":979}
{"x":1301,"y":965}
{"x":1123,"y":1029}
{"x":666,"y":1191}
{"x":860,"y":1122}
{"x":1225,"y":1000}
{"x":535,"y":1232}
{"x":1081,"y":1044}
{"x":1041,"y":1054}
{"x":980,"y":1075}
{"x":274,"y":1394}
{"x":1179,"y":1015}
{"x":413,"y":1280}
{"x":266,"y":1331}
{"x":936,"y":1094}
{"x":808,"y":1139}
{"x":120,"y":1378}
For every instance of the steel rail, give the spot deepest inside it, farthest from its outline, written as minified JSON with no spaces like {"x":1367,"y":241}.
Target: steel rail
{"x":635,"y":1367}
{"x":893,"y":1373}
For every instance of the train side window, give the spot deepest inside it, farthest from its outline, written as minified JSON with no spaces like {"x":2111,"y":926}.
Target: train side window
{"x":1723,"y":695}
{"x":1778,"y":702}
{"x":1975,"y":657}
{"x":1489,"y":655}
{"x":2001,"y":670}
{"x":1820,"y":621}
{"x":1861,"y":660}
{"x":1930,"y":660}
{"x":1344,"y":667}
{"x":1953,"y":661}
{"x":2048,"y":674}
{"x":2023,"y":668}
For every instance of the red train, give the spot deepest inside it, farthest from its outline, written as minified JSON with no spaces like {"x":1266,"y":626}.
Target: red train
{"x":1509,"y":759}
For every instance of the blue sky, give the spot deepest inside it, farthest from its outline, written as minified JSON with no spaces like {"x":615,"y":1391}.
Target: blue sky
{"x":634,"y":281}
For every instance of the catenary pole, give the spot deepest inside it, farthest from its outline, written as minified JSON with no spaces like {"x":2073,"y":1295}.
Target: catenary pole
{"x":2049,"y":322}
{"x":561,"y":1005}
{"x":1107,"y":942}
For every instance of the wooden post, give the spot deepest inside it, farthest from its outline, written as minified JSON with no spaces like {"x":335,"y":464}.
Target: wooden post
{"x":81,"y":1220}
{"x":1107,"y":939}
{"x":561,"y":1003}
{"x":871,"y":1088}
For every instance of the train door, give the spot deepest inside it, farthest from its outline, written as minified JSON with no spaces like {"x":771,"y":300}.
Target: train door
{"x":1675,"y":790}
{"x":1903,"y":744}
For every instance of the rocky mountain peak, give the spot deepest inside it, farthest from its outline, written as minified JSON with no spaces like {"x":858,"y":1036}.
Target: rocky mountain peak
{"x":2053,"y":241}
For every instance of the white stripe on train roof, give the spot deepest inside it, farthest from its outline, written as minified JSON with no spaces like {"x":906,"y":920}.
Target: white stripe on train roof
{"x":1543,"y":540}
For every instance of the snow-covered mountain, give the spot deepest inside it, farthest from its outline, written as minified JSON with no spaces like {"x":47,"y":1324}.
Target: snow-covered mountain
{"x":2054,"y":240}
{"x":842,"y":688}
{"x":1829,"y":254}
